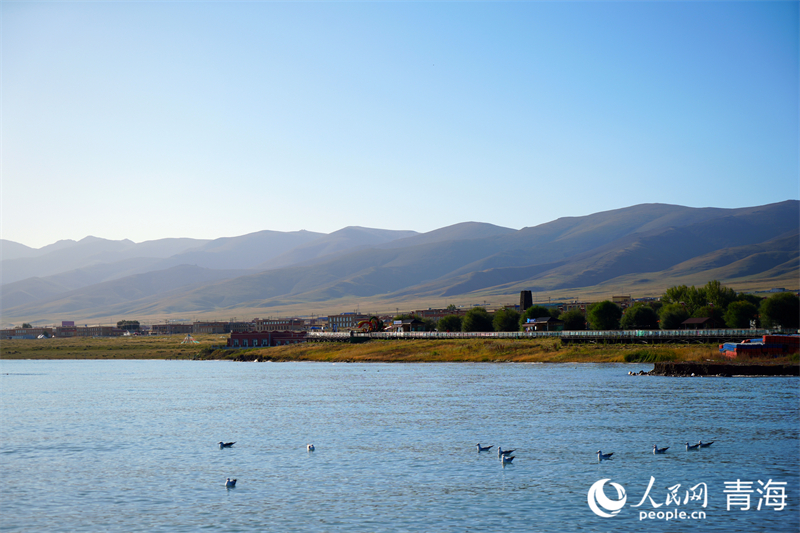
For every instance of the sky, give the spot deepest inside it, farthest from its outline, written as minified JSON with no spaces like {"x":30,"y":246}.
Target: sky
{"x":149,"y":120}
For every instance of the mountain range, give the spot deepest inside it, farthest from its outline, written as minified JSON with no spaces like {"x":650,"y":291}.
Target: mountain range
{"x":643,"y":249}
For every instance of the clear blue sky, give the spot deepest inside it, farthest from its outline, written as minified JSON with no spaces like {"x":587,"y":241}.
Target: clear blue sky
{"x":147,"y":120}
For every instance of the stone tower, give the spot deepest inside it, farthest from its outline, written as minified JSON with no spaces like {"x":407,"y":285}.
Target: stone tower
{"x":525,"y":300}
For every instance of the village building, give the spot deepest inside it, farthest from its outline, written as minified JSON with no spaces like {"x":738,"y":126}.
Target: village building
{"x":569,"y":306}
{"x":279,"y":324}
{"x":65,"y":332}
{"x":171,"y":329}
{"x":407,"y":325}
{"x":437,"y":314}
{"x":316,"y":323}
{"x":26,"y":333}
{"x":345,"y":321}
{"x":99,"y":331}
{"x":545,"y":323}
{"x":210,"y":328}
{"x":622,"y":301}
{"x":240,"y":327}
{"x":258,"y":339}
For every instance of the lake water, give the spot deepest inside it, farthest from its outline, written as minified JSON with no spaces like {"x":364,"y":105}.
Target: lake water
{"x":132,"y":446}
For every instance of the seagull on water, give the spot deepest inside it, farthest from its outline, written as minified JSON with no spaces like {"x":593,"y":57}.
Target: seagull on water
{"x":230,"y":483}
{"x":692,"y":446}
{"x":507,"y":459}
{"x":483,"y":448}
{"x":501,"y":452}
{"x":225,"y":444}
{"x":705,"y":444}
{"x":656,"y":449}
{"x":601,"y":455}
{"x":310,"y":447}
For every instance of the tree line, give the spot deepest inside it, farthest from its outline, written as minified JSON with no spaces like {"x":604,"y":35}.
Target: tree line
{"x":723,"y":305}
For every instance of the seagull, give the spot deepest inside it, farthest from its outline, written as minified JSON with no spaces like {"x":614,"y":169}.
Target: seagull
{"x":656,"y":449}
{"x":225,"y":444}
{"x":310,"y":447}
{"x":501,"y":452}
{"x":230,"y":483}
{"x":601,"y":455}
{"x":507,"y":459}
{"x":705,"y":444}
{"x":483,"y":448}
{"x":692,"y":446}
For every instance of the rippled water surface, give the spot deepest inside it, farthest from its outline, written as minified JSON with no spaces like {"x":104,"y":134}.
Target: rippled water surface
{"x":132,"y":446}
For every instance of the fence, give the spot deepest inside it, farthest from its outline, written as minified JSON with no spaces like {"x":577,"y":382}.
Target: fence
{"x":657,"y":335}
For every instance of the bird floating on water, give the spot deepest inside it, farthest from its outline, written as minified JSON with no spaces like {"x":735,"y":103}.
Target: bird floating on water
{"x":310,"y":447}
{"x":601,"y":456}
{"x":705,"y":444}
{"x":656,"y":449}
{"x":507,"y":459}
{"x":483,"y":448}
{"x":692,"y":446}
{"x":230,"y":483}
{"x":225,"y":444}
{"x":501,"y":452}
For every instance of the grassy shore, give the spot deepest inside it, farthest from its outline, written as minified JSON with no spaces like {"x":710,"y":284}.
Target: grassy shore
{"x":398,"y":351}
{"x":157,"y":347}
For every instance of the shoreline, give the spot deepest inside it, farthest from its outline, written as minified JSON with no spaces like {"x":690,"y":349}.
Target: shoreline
{"x":383,"y":351}
{"x":746,"y":369}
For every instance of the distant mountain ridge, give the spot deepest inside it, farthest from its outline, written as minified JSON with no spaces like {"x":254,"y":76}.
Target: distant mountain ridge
{"x":640,"y":244}
{"x":344,"y":240}
{"x":68,"y":255}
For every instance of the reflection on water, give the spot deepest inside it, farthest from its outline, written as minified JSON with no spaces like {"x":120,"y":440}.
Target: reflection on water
{"x":133,"y":445}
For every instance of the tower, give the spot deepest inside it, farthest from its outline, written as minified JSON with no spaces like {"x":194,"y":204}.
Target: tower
{"x":525,"y":300}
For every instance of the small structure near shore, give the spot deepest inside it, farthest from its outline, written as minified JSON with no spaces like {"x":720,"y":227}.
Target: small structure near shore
{"x":546,"y":323}
{"x":767,"y":345}
{"x":407,"y":325}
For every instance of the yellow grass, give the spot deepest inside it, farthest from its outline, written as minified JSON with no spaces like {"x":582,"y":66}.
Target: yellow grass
{"x":157,"y":347}
{"x":472,"y":351}
{"x":401,"y":351}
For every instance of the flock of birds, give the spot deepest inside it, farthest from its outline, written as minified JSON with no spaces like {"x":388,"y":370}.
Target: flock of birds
{"x":656,"y":450}
{"x":504,"y":455}
{"x":231,"y":483}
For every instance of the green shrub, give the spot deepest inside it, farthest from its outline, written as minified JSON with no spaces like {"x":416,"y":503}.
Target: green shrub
{"x":649,"y":356}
